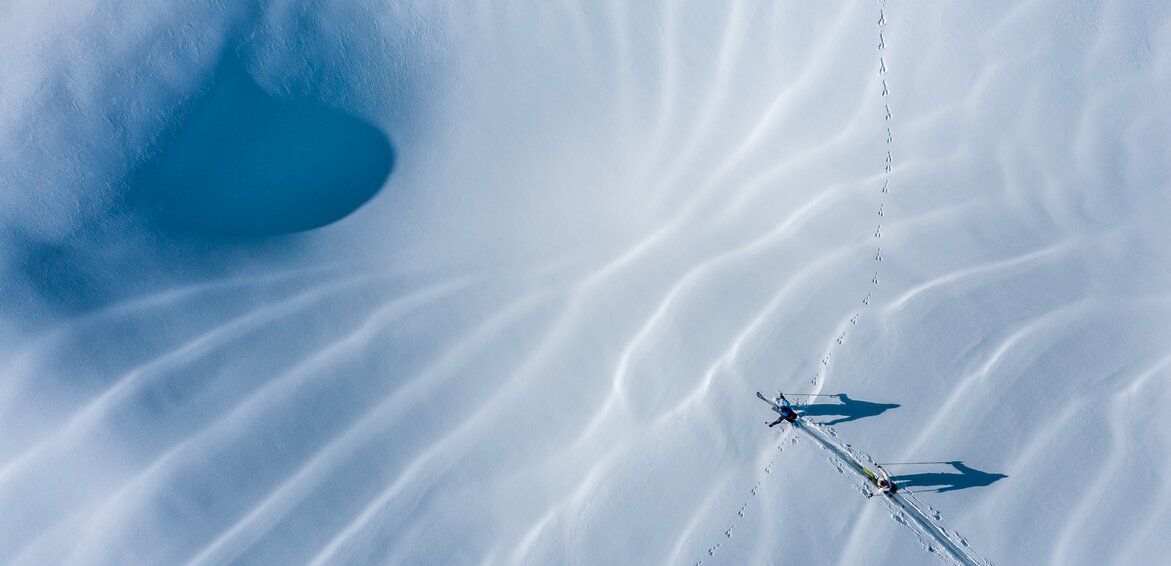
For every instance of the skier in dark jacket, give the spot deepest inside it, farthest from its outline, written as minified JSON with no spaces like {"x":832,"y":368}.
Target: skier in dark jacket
{"x":786,"y":412}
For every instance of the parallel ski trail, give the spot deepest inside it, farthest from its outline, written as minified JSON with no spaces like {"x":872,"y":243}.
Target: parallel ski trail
{"x":903,"y":506}
{"x":908,"y":504}
{"x":927,"y":528}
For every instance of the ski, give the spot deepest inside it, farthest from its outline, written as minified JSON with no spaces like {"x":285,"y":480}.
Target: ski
{"x":770,"y":402}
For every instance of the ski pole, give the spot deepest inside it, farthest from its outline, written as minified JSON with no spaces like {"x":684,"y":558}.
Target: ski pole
{"x":814,"y":394}
{"x":908,"y":463}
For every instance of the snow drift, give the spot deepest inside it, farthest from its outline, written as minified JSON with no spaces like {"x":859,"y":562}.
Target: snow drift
{"x":444,"y":283}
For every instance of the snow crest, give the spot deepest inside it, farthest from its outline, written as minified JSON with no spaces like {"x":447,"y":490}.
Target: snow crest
{"x":578,"y":238}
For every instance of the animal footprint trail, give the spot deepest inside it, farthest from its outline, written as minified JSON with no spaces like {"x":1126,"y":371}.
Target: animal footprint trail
{"x":888,"y":168}
{"x":839,"y":340}
{"x":905,"y":508}
{"x":743,"y":510}
{"x":888,"y":116}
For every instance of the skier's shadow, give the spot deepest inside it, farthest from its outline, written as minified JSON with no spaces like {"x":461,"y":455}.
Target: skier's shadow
{"x":963,"y":478}
{"x":846,"y":409}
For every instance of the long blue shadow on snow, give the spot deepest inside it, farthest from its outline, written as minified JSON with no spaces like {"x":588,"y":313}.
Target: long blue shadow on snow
{"x":846,"y":409}
{"x":243,"y":163}
{"x":236,"y":166}
{"x":963,"y":477}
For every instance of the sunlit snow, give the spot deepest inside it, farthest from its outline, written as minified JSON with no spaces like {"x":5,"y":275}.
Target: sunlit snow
{"x":430,"y":282}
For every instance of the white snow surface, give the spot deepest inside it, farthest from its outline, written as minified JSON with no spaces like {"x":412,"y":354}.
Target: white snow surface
{"x":608,"y":225}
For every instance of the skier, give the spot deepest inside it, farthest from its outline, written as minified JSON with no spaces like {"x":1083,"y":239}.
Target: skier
{"x":786,"y":412}
{"x":881,"y":479}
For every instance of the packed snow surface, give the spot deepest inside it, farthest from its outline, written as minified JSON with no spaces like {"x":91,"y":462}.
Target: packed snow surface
{"x":429,"y":282}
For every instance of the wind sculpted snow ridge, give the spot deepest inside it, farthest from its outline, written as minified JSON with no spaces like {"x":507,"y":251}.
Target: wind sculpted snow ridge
{"x":606,"y":224}
{"x":904,"y":507}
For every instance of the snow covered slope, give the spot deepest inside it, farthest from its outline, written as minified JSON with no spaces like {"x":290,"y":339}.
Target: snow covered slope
{"x":459,"y":283}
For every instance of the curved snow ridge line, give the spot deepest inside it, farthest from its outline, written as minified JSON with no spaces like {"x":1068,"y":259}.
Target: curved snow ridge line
{"x":754,"y":139}
{"x":759,"y":179}
{"x":617,"y":398}
{"x":785,"y":440}
{"x":1129,"y":553}
{"x":86,"y":418}
{"x":137,"y":490}
{"x":736,"y":203}
{"x":926,"y":526}
{"x":783,"y":294}
{"x":695,"y":205}
{"x":709,"y":501}
{"x":361,"y":525}
{"x":671,"y":145}
{"x":151,"y":300}
{"x":1089,"y":502}
{"x":264,"y":516}
{"x":28,"y":356}
{"x":673,"y":166}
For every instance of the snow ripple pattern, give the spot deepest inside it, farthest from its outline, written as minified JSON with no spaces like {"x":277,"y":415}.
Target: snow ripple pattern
{"x":608,"y":225}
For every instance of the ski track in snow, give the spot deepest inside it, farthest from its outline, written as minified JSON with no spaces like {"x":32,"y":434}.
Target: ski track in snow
{"x":610,"y":225}
{"x":928,"y":525}
{"x":928,"y":528}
